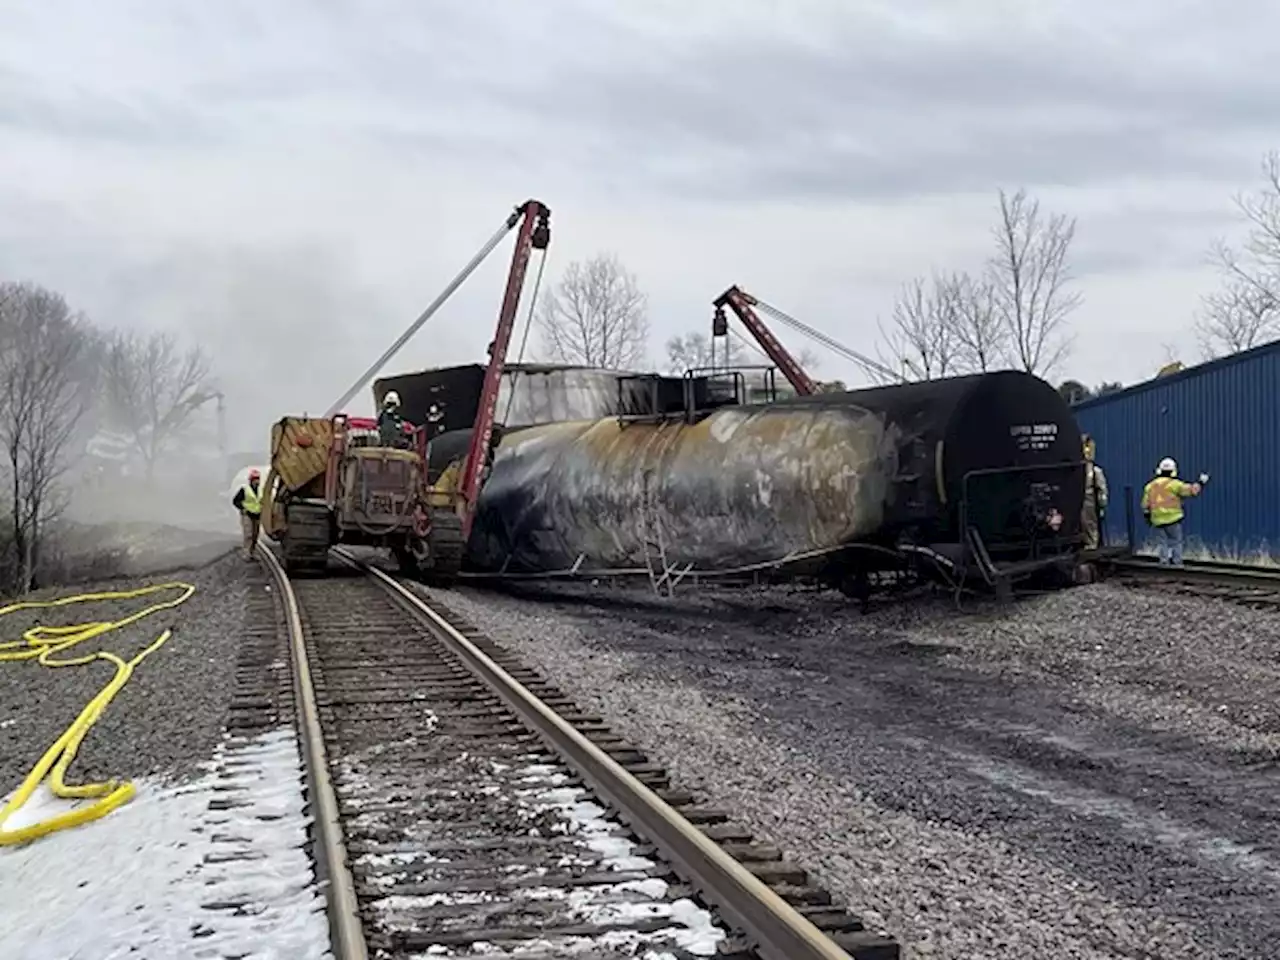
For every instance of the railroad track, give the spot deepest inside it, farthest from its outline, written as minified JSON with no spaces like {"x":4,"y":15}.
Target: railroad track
{"x":1252,"y":586}
{"x":463,"y":804}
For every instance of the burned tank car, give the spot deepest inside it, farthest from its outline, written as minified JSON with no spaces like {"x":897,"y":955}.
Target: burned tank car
{"x":998,"y":454}
{"x":899,"y":468}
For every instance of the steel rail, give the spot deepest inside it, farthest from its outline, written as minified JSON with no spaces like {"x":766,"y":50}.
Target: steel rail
{"x":1193,"y":571}
{"x":346,"y":932}
{"x":778,"y":930}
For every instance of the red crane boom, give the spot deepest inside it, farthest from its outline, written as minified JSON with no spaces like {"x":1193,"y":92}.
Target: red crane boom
{"x":535,"y":234}
{"x":742,"y":303}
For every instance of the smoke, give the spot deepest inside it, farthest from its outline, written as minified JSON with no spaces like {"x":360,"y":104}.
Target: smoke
{"x":287,"y":328}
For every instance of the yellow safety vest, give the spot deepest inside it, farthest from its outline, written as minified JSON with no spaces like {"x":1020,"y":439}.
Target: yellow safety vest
{"x":252,"y":502}
{"x":1163,"y":497}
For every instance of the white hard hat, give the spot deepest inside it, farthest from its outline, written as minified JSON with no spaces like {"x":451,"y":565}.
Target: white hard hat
{"x":1168,"y":465}
{"x":392,"y":399}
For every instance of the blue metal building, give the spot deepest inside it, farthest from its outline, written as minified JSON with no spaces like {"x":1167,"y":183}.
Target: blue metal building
{"x":1221,"y":418}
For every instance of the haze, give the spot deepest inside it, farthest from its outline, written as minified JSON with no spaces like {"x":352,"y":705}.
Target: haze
{"x":289,"y":184}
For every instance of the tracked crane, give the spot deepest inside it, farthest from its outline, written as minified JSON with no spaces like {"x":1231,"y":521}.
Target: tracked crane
{"x":336,"y":479}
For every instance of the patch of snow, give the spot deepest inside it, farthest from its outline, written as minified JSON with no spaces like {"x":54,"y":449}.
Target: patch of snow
{"x":165,"y":876}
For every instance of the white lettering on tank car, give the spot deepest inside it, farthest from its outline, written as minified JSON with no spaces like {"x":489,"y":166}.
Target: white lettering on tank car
{"x":1034,"y":436}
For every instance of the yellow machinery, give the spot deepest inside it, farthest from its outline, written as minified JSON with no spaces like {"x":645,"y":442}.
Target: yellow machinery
{"x":331,"y":482}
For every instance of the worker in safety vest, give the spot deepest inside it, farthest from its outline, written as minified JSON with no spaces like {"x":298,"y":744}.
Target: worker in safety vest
{"x":248,"y":500}
{"x":390,"y":423}
{"x":1162,"y":506}
{"x":1095,"y":497}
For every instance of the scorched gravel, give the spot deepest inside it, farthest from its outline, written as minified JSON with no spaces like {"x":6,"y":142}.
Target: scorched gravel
{"x":1088,"y":774}
{"x":170,"y":714}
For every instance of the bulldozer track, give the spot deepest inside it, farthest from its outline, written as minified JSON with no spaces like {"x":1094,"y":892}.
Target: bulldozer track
{"x":462,"y":803}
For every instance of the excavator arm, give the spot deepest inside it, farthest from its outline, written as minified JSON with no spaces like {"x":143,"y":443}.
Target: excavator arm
{"x":535,"y":234}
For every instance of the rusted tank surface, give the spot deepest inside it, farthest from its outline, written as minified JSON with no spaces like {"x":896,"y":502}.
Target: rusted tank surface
{"x":743,"y":485}
{"x":911,"y":464}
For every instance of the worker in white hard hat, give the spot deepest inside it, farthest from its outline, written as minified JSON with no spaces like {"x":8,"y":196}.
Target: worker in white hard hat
{"x":435,"y":420}
{"x":1162,"y":506}
{"x":390,"y":423}
{"x":248,"y":500}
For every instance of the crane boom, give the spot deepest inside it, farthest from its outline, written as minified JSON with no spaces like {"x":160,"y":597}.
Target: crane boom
{"x":741,"y":303}
{"x":744,"y":305}
{"x":534,"y":234}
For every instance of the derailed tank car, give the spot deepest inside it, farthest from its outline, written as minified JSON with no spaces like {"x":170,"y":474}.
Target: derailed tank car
{"x":979,"y":474}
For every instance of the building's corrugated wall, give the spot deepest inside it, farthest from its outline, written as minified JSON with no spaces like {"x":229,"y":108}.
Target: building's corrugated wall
{"x":1222,"y":418}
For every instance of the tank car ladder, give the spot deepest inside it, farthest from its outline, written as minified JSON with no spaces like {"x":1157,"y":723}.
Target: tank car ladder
{"x":666,"y":576}
{"x":654,"y":543}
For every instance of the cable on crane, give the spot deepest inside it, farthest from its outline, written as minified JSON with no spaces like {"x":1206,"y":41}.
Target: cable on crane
{"x":43,"y":644}
{"x":528,"y":325}
{"x":426,"y":315}
{"x":869,"y":365}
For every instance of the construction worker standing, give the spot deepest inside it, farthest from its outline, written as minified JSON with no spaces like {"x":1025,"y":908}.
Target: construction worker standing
{"x":390,"y":423}
{"x":248,"y":500}
{"x":1162,"y":506}
{"x":1095,"y":497}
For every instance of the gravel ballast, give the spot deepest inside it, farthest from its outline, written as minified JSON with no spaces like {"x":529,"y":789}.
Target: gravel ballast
{"x":170,"y":714}
{"x":1088,"y":774}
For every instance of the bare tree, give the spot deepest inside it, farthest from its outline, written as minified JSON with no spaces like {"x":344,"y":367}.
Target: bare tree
{"x":1030,"y":274}
{"x":922,"y":339}
{"x":153,"y":387}
{"x":694,"y":351}
{"x":1240,"y":316}
{"x":1246,"y":312}
{"x":981,"y":339}
{"x":597,"y":316}
{"x":42,"y":397}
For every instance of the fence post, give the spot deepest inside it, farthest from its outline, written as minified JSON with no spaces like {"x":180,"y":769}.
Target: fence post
{"x":1130,"y":527}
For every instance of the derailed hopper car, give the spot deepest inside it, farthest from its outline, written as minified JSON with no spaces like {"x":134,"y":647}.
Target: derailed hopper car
{"x":965,"y":475}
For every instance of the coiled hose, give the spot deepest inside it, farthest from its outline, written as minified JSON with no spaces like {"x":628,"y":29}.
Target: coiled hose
{"x":43,"y":644}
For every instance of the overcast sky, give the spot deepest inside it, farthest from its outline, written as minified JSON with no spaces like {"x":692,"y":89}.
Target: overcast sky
{"x":292,"y":181}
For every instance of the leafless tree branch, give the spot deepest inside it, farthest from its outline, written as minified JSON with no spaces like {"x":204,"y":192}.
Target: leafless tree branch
{"x":1246,"y":312}
{"x":981,"y":338}
{"x":1029,"y":275}
{"x":921,"y":340}
{"x":42,"y":398}
{"x":1240,"y":316}
{"x":691,"y":351}
{"x":153,"y":388}
{"x":597,"y":316}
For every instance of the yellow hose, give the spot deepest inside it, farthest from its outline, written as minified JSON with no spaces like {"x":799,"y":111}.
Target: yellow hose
{"x":42,"y":643}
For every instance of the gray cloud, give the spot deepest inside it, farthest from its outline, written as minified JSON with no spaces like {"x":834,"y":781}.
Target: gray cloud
{"x":237,"y":115}
{"x":879,"y":113}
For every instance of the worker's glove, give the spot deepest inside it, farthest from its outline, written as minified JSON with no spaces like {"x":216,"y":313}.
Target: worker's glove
{"x":1204,"y":478}
{"x":1146,"y":515}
